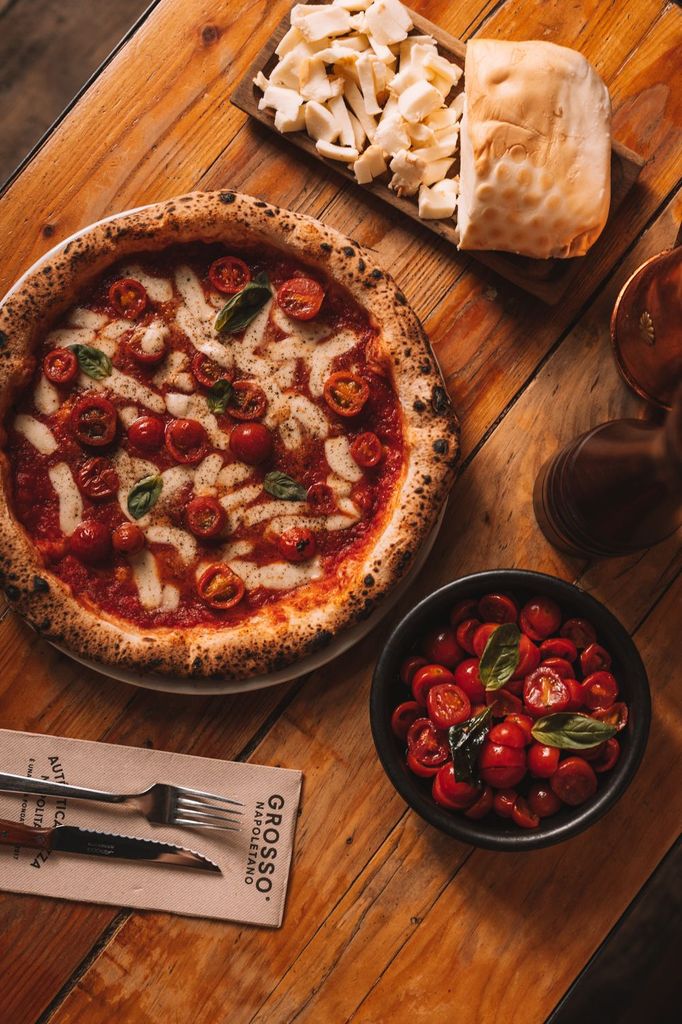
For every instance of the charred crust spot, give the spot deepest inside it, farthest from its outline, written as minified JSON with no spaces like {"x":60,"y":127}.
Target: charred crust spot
{"x":440,"y":403}
{"x":13,"y":593}
{"x":377,"y":274}
{"x":369,"y":580}
{"x":40,"y":585}
{"x":3,"y":339}
{"x":404,"y":560}
{"x":361,"y":265}
{"x":196,"y":664}
{"x":44,"y":626}
{"x":325,"y":246}
{"x":418,"y":405}
{"x":426,"y":477}
{"x":440,"y":447}
{"x":419,"y":490}
{"x":269,"y":213}
{"x":260,"y":204}
{"x":407,"y":353}
{"x":321,"y":639}
{"x":348,"y":250}
{"x":226,"y":197}
{"x":399,"y":297}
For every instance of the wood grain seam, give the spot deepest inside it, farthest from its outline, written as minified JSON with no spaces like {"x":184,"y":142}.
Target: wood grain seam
{"x":488,"y":17}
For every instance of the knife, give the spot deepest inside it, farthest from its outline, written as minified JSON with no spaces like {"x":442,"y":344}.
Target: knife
{"x":70,"y":839}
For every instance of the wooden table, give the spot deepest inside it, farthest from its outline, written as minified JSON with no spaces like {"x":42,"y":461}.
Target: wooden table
{"x":387,"y":920}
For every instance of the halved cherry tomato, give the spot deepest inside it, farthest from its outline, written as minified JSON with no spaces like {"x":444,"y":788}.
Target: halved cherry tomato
{"x":558,"y":647}
{"x":524,"y":722}
{"x":146,"y":433}
{"x":542,"y":800}
{"x":515,"y":686}
{"x":90,"y":541}
{"x":251,"y":443}
{"x":346,"y":393}
{"x":128,"y":539}
{"x":539,"y":618}
{"x":616,"y":715}
{"x":523,"y":816}
{"x":599,"y":690}
{"x":93,"y":421}
{"x":440,"y":645}
{"x":503,"y":703}
{"x":580,"y":631}
{"x":147,"y":351}
{"x":545,"y":692}
{"x":229,"y":275}
{"x":465,"y":634}
{"x":574,"y":781}
{"x":321,"y":499}
{"x":300,"y":297}
{"x":297,"y":544}
{"x":508,"y":734}
{"x":483,"y":805}
{"x":575,"y":689}
{"x":220,"y":587}
{"x":447,"y":705}
{"x":364,"y":496}
{"x":497,"y":608}
{"x":595,"y":658}
{"x":501,"y":767}
{"x":410,"y":666}
{"x":205,"y":517}
{"x":426,"y":677}
{"x":128,"y":297}
{"x":367,"y":450}
{"x":529,"y":658}
{"x":403,"y":717}
{"x":448,"y":792}
{"x":207,"y":371}
{"x":248,"y":401}
{"x":608,"y":756}
{"x":562,"y":667}
{"x":467,"y":677}
{"x":426,"y":744}
{"x":543,"y":761}
{"x":97,"y":478}
{"x":503,"y":802}
{"x":481,"y":637}
{"x":422,"y":770}
{"x":60,"y":366}
{"x":463,"y":610}
{"x":186,"y":441}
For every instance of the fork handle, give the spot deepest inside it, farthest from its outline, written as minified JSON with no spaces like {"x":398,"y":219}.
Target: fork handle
{"x":43,"y":787}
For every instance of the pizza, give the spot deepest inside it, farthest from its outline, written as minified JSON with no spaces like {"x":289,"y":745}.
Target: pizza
{"x":225,"y":437}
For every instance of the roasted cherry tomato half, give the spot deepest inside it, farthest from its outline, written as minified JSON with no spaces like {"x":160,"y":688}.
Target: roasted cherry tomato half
{"x":147,"y":347}
{"x":346,"y":393}
{"x":558,"y":647}
{"x":501,"y":767}
{"x":128,"y":539}
{"x":580,"y":631}
{"x":543,"y":761}
{"x":427,"y":745}
{"x":545,"y":692}
{"x":128,"y":297}
{"x":248,"y":401}
{"x":481,"y":637}
{"x":574,"y":781}
{"x":229,"y":275}
{"x":422,"y":770}
{"x":297,"y":544}
{"x":207,"y":372}
{"x":186,"y":440}
{"x":90,"y":541}
{"x":608,"y":756}
{"x":367,"y":450}
{"x":410,"y":666}
{"x":508,"y":734}
{"x":463,"y":610}
{"x":523,"y":816}
{"x":440,"y":645}
{"x":364,"y":497}
{"x":599,"y":690}
{"x":205,"y":517}
{"x":616,"y":715}
{"x":300,"y":297}
{"x":403,"y":717}
{"x":562,"y":667}
{"x":146,"y":433}
{"x":60,"y":366}
{"x":497,"y":608}
{"x":447,"y":705}
{"x":503,"y":802}
{"x":575,"y":689}
{"x":483,"y":805}
{"x":539,"y":618}
{"x":93,"y":421}
{"x":426,"y":677}
{"x":467,"y":677}
{"x":529,"y":658}
{"x":524,"y":722}
{"x":595,"y":658}
{"x":448,"y":792}
{"x":321,"y":499}
{"x":251,"y":443}
{"x":97,"y":478}
{"x":465,"y":634}
{"x":542,"y":799}
{"x":220,"y":587}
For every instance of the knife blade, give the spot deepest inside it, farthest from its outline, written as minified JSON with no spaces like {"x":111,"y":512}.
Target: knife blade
{"x":71,"y":839}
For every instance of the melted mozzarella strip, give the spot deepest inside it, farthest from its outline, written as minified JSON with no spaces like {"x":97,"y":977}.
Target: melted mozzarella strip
{"x":153,"y":337}
{"x":46,"y":397}
{"x":147,"y":580}
{"x":159,"y":289}
{"x":270,"y":509}
{"x":341,"y":462}
{"x":129,"y":470}
{"x":81,"y":317}
{"x":323,"y":355}
{"x":70,"y":502}
{"x":304,"y":332}
{"x":170,"y":597}
{"x":127,"y":414}
{"x":183,"y":542}
{"x":196,"y":317}
{"x":173,"y":367}
{"x":125,"y":387}
{"x":206,"y":474}
{"x":36,"y":433}
{"x":277,"y":575}
{"x":233,"y":474}
{"x":194,"y":407}
{"x":62,"y":337}
{"x":242,"y":497}
{"x":342,"y":522}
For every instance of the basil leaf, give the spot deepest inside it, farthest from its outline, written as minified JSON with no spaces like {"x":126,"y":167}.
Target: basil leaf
{"x":240,"y":309}
{"x":465,"y":741}
{"x":92,"y":361}
{"x":569,"y":731}
{"x":500,"y":656}
{"x":279,"y":485}
{"x":144,"y":495}
{"x":219,"y":395}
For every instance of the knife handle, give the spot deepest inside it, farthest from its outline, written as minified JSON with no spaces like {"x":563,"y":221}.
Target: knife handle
{"x":13,"y":833}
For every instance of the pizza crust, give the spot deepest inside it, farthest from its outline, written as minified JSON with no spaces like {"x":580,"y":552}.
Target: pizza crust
{"x":305,"y":619}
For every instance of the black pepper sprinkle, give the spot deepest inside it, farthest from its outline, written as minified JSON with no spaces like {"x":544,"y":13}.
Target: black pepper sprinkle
{"x":325,"y":246}
{"x":418,"y":405}
{"x":12,"y":592}
{"x":440,"y":447}
{"x":377,"y":274}
{"x":369,"y":580}
{"x":348,"y":250}
{"x":227,"y":197}
{"x":40,"y":585}
{"x":440,"y":402}
{"x":361,"y":265}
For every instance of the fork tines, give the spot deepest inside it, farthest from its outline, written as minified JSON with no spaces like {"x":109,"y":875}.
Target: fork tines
{"x":204,"y":810}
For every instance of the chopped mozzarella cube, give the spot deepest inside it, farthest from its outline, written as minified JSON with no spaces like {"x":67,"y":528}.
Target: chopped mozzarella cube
{"x":367,"y":84}
{"x":285,"y":123}
{"x":287,"y":101}
{"x":443,"y":85}
{"x":338,"y":53}
{"x":356,"y":104}
{"x":261,"y":82}
{"x":405,"y":78}
{"x":388,"y":21}
{"x":339,"y":112}
{"x":447,"y":187}
{"x":369,"y":165}
{"x":380,"y":49}
{"x":391,"y":135}
{"x":315,"y":84}
{"x":436,"y":205}
{"x":319,"y":123}
{"x":443,"y":68}
{"x":316,"y":22}
{"x":407,"y":173}
{"x":445,"y":146}
{"x":418,"y":101}
{"x":457,"y":105}
{"x":287,"y":72}
{"x":415,"y":49}
{"x":352,"y":5}
{"x":357,"y":41}
{"x":421,"y":134}
{"x":288,"y":41}
{"x":440,"y":119}
{"x":345,"y":154}
{"x":436,"y":170}
{"x":359,"y":134}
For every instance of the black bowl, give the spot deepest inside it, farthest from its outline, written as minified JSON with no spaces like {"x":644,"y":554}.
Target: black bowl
{"x":493,"y":832}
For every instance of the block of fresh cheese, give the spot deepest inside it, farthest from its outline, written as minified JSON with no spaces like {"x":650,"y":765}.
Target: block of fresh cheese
{"x":535,"y":150}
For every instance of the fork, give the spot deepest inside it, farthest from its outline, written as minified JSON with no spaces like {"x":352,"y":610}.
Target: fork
{"x":161,"y":804}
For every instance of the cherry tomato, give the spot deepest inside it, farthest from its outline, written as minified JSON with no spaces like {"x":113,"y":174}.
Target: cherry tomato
{"x":439,"y":645}
{"x":229,"y":275}
{"x":539,"y":618}
{"x":251,"y":443}
{"x":205,"y":517}
{"x":300,"y":297}
{"x":128,"y":297}
{"x":515,"y":686}
{"x":483,"y":805}
{"x":367,"y":450}
{"x":608,"y":756}
{"x":529,"y":658}
{"x":503,"y":703}
{"x":364,"y":496}
{"x":523,"y":816}
{"x":207,"y":372}
{"x":93,"y":421}
{"x":60,"y":366}
{"x":97,"y":478}
{"x":128,"y":539}
{"x":599,"y":690}
{"x":463,"y":610}
{"x":90,"y":541}
{"x":248,"y":401}
{"x":465,"y":634}
{"x":447,"y":705}
{"x":558,"y":647}
{"x":403,"y":717}
{"x":468,"y":679}
{"x":545,"y":692}
{"x":580,"y":631}
{"x":145,"y":353}
{"x":562,"y":667}
{"x":321,"y":499}
{"x":497,"y":608}
{"x":503,"y":802}
{"x":426,"y":677}
{"x":543,"y":761}
{"x":297,"y":544}
{"x":220,"y":587}
{"x":410,"y":666}
{"x":425,"y":743}
{"x":574,"y":781}
{"x":575,"y":690}
{"x":481,"y":637}
{"x":346,"y":393}
{"x":508,"y":734}
{"x":424,"y":771}
{"x":501,"y":767}
{"x":594,"y":659}
{"x":186,"y":440}
{"x":616,"y":715}
{"x":542,"y":800}
{"x":146,"y":433}
{"x":448,"y":792}
{"x":525,"y":723}
{"x":593,"y":753}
